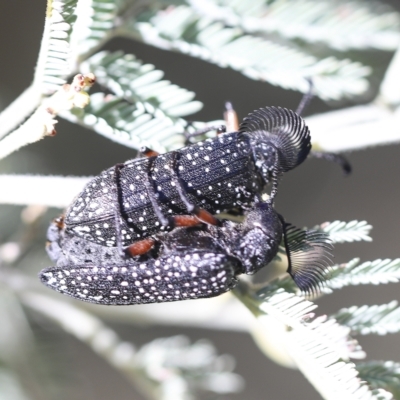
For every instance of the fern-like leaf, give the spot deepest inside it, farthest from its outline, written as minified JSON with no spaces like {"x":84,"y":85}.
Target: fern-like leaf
{"x":134,"y":81}
{"x":340,"y":24}
{"x":145,"y":111}
{"x":319,"y":346}
{"x":297,"y":313}
{"x":364,"y":320}
{"x":53,"y":65}
{"x":133,"y":125}
{"x":182,"y":29}
{"x":353,"y":231}
{"x":129,"y":124}
{"x":368,"y":273}
{"x":95,"y":25}
{"x":381,"y":374}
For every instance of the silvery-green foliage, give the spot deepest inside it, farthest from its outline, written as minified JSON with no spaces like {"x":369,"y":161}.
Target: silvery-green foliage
{"x":322,"y":346}
{"x":353,"y":231}
{"x":381,"y":374}
{"x":145,"y":110}
{"x":378,"y":319}
{"x":368,"y":273}
{"x":195,"y":367}
{"x":182,"y":29}
{"x":340,"y":24}
{"x":54,"y":58}
{"x":247,"y":36}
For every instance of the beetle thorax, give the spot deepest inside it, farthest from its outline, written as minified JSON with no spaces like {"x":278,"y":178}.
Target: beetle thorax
{"x":265,"y":154}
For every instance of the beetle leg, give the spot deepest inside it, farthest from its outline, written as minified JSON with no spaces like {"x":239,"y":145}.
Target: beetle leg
{"x":139,"y":248}
{"x":337,"y":158}
{"x":202,"y":214}
{"x":186,"y":220}
{"x":199,"y":132}
{"x":147,"y":152}
{"x":231,"y":118}
{"x":306,"y":99}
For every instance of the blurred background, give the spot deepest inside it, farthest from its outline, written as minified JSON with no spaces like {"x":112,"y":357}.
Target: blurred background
{"x":60,"y":366}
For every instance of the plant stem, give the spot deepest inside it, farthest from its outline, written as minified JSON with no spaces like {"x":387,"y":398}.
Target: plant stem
{"x":19,"y":109}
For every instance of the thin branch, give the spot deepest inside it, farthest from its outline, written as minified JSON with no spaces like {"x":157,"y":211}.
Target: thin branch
{"x":354,"y":128}
{"x":52,"y":191}
{"x":88,"y":329}
{"x":140,"y":366}
{"x":50,"y":72}
{"x":38,"y":126}
{"x":19,"y":109}
{"x":390,"y":87}
{"x":41,"y":123}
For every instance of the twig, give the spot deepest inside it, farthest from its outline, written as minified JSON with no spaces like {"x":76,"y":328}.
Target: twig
{"x":19,"y":109}
{"x":354,"y":128}
{"x":41,"y":123}
{"x":52,"y":191}
{"x":390,"y":87}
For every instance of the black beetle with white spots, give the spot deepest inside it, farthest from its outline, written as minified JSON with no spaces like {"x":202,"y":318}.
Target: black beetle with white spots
{"x":145,"y":231}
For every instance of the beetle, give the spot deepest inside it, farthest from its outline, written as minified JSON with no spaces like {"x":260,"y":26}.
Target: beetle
{"x":191,"y":262}
{"x":190,"y":185}
{"x":148,"y":211}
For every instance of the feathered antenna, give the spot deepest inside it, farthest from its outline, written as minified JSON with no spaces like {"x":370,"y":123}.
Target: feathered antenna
{"x":308,"y":255}
{"x":285,"y":130}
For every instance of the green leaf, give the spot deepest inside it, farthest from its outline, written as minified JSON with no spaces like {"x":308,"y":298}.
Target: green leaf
{"x":353,"y":231}
{"x":341,"y":24}
{"x":182,"y":29}
{"x":53,"y":65}
{"x":381,"y":374}
{"x":145,"y":110}
{"x":133,"y":125}
{"x":368,"y":273}
{"x":319,"y":347}
{"x":364,"y":320}
{"x":96,"y":20}
{"x":134,"y":81}
{"x":129,"y":124}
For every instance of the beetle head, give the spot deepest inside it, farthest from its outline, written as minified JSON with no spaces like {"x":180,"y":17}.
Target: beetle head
{"x":259,"y":237}
{"x":279,"y":139}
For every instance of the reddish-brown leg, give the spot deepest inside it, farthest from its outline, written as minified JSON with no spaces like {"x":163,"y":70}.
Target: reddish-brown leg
{"x":231,"y":119}
{"x":140,"y":247}
{"x":206,"y":217}
{"x":146,"y":151}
